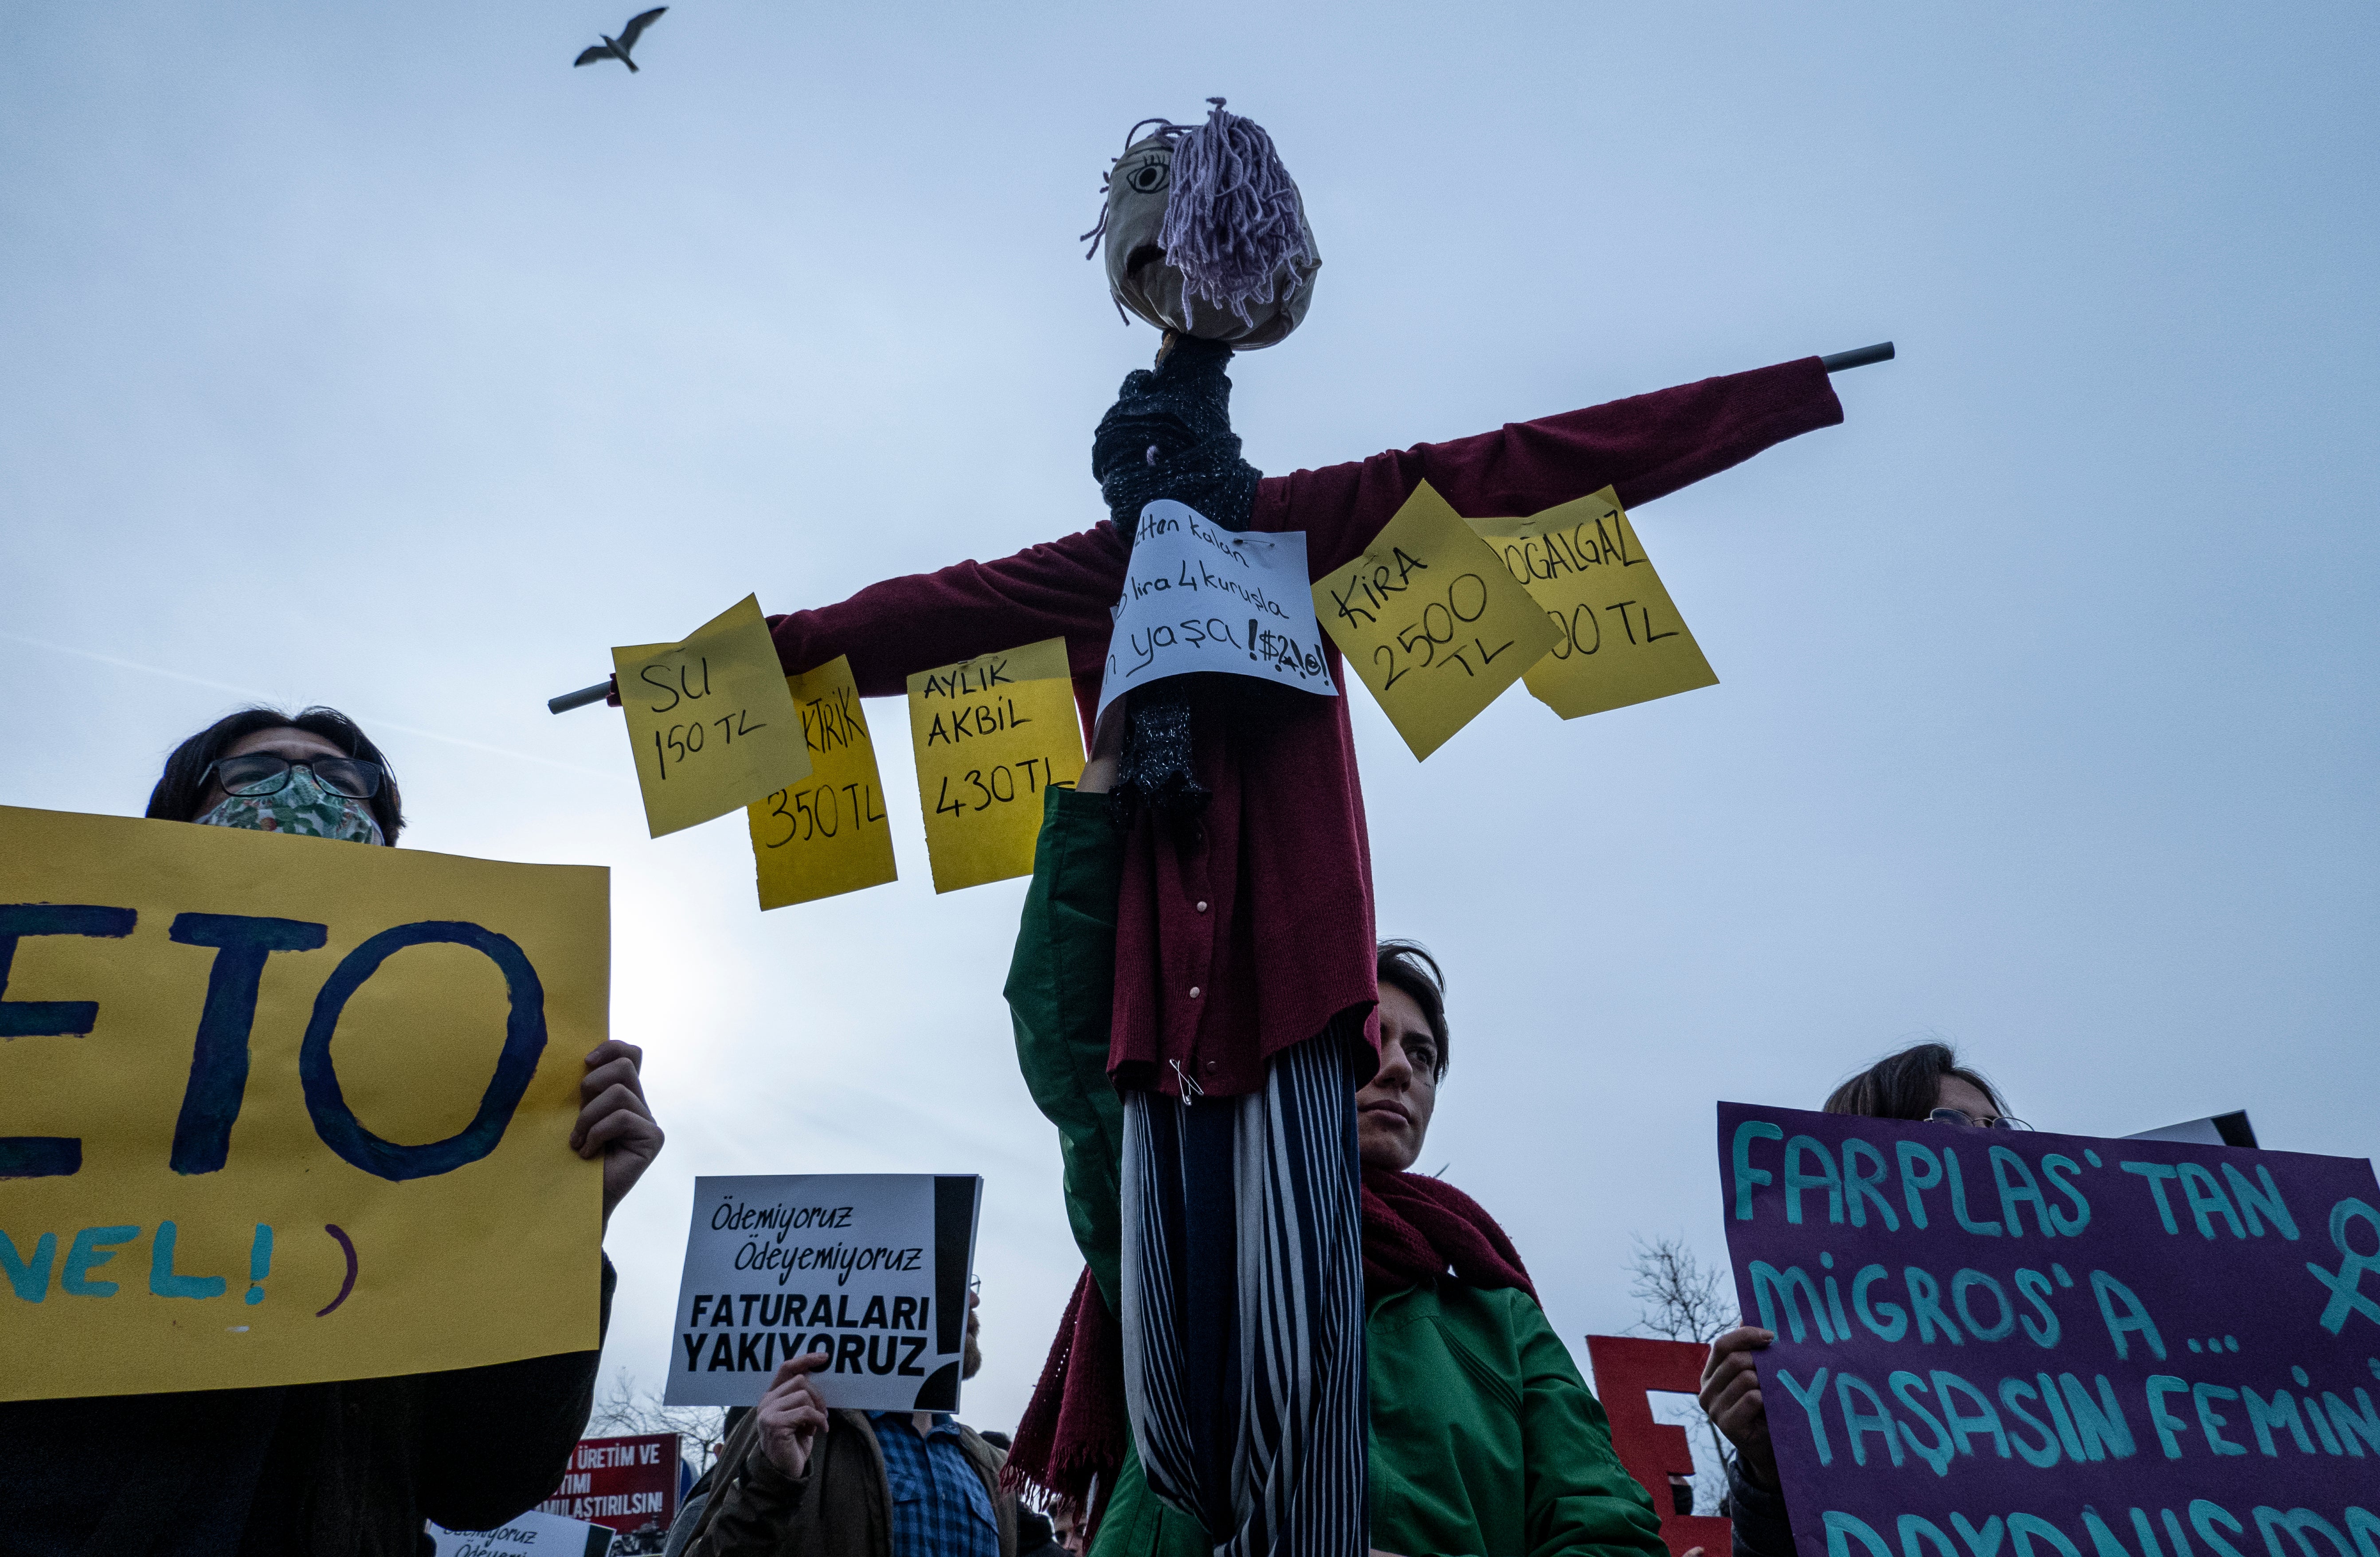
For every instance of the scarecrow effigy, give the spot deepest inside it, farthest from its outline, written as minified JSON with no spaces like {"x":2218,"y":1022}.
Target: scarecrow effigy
{"x":1225,"y":1300}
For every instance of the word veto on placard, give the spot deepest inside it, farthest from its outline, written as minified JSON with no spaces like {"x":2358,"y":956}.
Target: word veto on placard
{"x":825,"y":834}
{"x":992,"y":733}
{"x":1432,"y":621}
{"x":710,"y":720}
{"x":2120,"y":1347}
{"x":1620,"y":639}
{"x":277,"y":1109}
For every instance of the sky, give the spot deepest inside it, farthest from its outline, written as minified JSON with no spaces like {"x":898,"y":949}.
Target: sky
{"x":374,"y":357}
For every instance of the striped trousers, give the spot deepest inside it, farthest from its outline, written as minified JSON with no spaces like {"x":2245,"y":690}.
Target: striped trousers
{"x":1243,"y":1289}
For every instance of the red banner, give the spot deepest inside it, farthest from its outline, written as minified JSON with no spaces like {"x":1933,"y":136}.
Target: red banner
{"x":628,"y":1485}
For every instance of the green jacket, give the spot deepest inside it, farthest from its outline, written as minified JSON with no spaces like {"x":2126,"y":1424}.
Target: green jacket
{"x":1485,"y":1443}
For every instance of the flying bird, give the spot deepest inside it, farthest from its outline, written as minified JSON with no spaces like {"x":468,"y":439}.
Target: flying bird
{"x":617,"y":48}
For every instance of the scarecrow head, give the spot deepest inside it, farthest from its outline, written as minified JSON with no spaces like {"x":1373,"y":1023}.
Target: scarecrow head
{"x":1205,"y":234}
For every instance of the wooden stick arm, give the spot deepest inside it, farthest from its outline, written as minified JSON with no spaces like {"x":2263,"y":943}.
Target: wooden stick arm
{"x":579,"y":699}
{"x":1880,"y":352}
{"x":1839,"y":362}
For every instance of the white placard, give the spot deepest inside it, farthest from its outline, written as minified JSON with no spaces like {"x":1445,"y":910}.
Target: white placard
{"x":871,"y":1267}
{"x":1197,"y":597}
{"x":528,"y":1535}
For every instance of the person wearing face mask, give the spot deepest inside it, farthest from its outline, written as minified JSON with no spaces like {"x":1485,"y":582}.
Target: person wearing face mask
{"x":1483,"y":1437}
{"x":1924,"y":1081}
{"x":350,"y":1468}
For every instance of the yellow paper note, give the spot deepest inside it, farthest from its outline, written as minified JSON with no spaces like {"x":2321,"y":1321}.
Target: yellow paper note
{"x":825,"y":834}
{"x":1620,"y":639}
{"x":992,"y":733}
{"x":1431,"y":621}
{"x":710,"y":720}
{"x":276,"y":1109}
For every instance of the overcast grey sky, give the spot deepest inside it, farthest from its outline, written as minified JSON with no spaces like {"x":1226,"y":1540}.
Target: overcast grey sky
{"x":371,"y":354}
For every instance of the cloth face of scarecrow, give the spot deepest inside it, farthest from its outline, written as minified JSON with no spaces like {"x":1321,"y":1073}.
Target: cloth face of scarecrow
{"x":1205,"y":235}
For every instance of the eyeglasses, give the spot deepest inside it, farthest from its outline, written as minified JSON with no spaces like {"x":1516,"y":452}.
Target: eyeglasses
{"x":1961,"y":1116}
{"x":260,"y":772}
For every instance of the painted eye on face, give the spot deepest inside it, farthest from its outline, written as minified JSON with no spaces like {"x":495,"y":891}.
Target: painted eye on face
{"x":1147,"y":179}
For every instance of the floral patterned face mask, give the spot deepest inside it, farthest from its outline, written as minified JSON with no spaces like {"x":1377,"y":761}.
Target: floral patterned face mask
{"x":300,"y":806}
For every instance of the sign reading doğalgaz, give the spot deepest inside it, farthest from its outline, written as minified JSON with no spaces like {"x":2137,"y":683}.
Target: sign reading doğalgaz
{"x":872,"y":1268}
{"x":1620,"y":639}
{"x":276,"y":1109}
{"x":2124,"y":1347}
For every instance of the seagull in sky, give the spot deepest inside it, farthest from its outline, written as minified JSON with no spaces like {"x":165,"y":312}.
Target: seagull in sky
{"x":617,"y":48}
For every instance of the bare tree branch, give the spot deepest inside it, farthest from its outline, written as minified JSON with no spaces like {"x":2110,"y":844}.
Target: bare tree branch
{"x":1682,"y":1300}
{"x":626,"y":1411}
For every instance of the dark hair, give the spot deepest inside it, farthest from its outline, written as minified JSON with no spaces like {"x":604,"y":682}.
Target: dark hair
{"x":1903,"y":1086}
{"x":1409,"y":967}
{"x":183,"y":784}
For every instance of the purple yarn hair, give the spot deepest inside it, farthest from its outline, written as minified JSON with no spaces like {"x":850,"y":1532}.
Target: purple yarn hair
{"x":1232,"y":219}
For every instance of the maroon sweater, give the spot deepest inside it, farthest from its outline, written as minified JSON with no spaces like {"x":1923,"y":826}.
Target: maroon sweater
{"x":1256,"y":932}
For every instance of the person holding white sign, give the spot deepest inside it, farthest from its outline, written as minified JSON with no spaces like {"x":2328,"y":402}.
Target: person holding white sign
{"x":800,"y":1479}
{"x":348,"y":1466}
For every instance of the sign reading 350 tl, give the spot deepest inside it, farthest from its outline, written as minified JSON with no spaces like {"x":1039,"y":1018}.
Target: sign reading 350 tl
{"x":277,"y":1109}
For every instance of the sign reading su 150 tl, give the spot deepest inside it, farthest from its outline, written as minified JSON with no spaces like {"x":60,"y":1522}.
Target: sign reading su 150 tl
{"x":710,"y":720}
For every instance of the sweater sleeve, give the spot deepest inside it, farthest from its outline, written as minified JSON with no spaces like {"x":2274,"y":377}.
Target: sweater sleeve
{"x":1060,"y":996}
{"x":1761,"y":1528}
{"x":1060,"y":589}
{"x":495,"y":1441}
{"x":1581,"y":1501}
{"x":1646,"y":446}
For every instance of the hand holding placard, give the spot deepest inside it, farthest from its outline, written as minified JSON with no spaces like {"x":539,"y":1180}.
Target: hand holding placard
{"x":824,"y":834}
{"x":1621,"y":639}
{"x":710,"y":720}
{"x":277,"y":1109}
{"x":992,"y":733}
{"x":1431,"y":621}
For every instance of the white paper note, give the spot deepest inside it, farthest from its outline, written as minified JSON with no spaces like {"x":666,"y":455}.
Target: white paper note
{"x":1197,"y":597}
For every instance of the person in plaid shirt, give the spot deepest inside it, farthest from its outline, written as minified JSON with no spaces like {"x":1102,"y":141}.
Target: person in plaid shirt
{"x":798,"y":1479}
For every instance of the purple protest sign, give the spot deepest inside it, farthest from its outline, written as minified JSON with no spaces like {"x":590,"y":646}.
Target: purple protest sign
{"x":2006,"y":1343}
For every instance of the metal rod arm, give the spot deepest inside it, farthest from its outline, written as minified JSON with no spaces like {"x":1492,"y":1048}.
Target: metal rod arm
{"x":581,"y":698}
{"x":1880,"y":352}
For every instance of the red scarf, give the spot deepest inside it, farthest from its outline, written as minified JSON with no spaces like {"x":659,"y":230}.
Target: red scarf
{"x":1071,"y":1442}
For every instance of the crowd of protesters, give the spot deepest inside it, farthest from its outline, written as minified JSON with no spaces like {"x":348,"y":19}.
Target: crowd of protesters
{"x":1482,"y":1434}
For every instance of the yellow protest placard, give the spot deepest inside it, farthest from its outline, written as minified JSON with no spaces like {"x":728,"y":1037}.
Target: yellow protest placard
{"x":992,"y":733}
{"x":1431,"y":621}
{"x":277,"y":1109}
{"x":826,"y":833}
{"x":710,"y":720}
{"x":1620,"y":638}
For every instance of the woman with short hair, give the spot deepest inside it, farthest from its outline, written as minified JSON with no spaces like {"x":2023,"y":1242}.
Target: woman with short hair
{"x":1925,"y":1081}
{"x":314,"y":772}
{"x":351,"y":1466}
